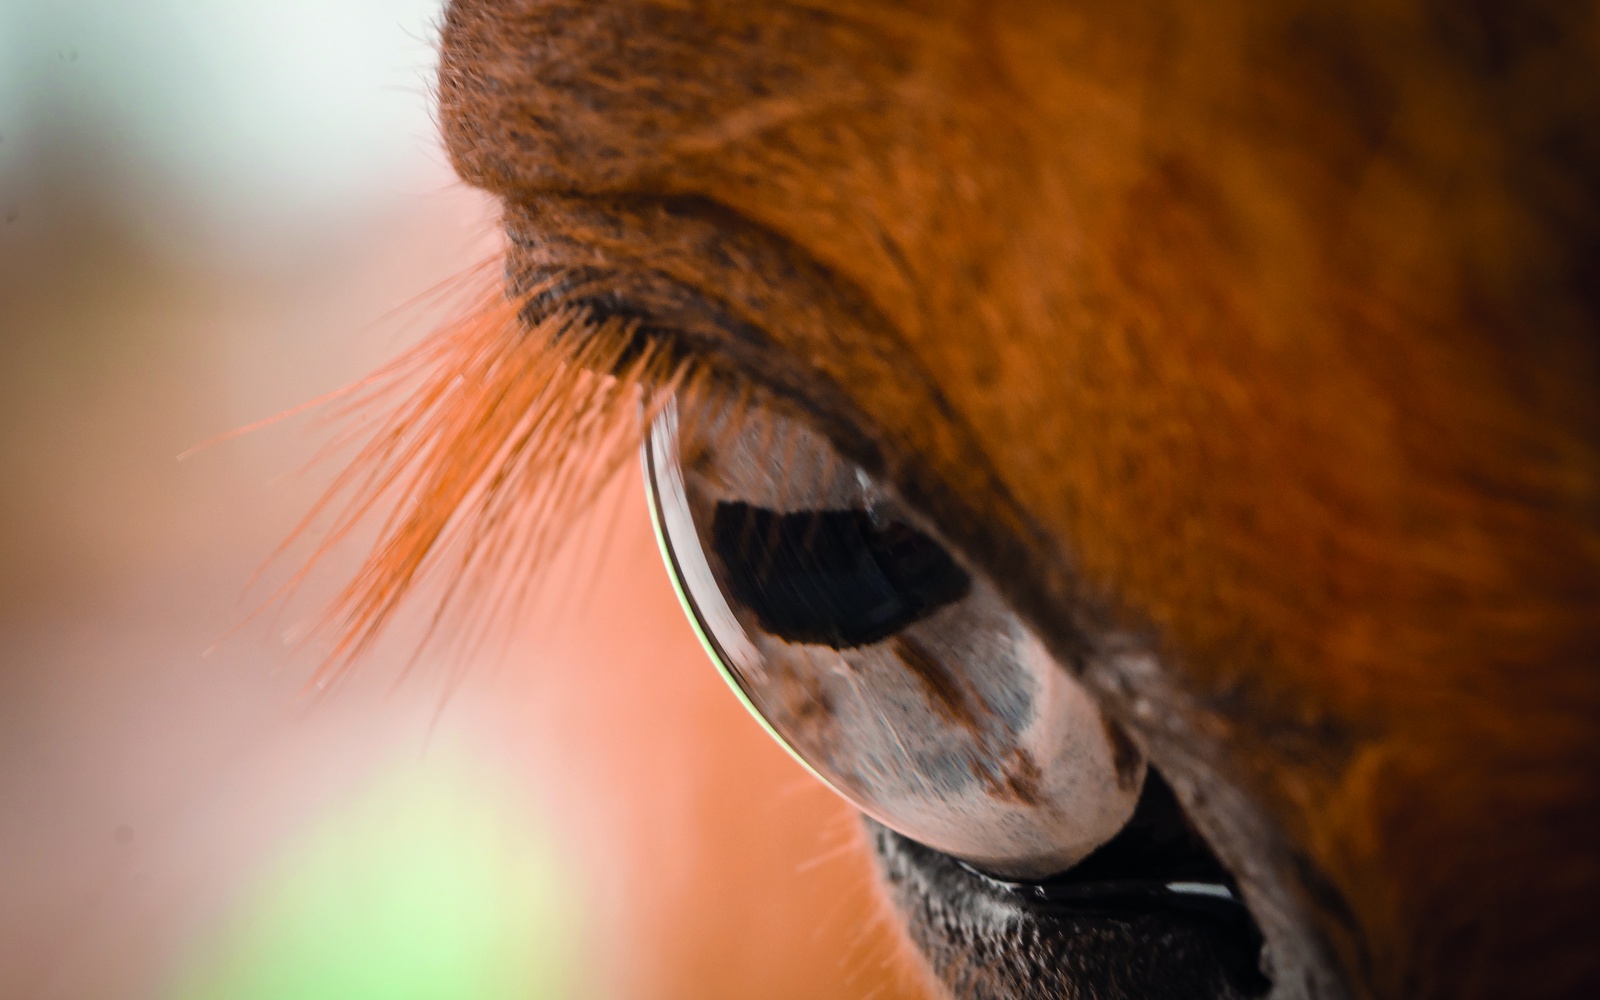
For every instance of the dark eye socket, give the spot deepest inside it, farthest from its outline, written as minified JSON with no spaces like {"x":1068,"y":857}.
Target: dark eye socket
{"x":832,"y":577}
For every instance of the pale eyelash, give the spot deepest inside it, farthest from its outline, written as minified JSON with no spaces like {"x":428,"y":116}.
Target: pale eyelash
{"x":494,"y":435}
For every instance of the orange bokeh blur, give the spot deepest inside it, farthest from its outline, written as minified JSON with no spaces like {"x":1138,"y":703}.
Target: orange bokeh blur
{"x":159,"y":750}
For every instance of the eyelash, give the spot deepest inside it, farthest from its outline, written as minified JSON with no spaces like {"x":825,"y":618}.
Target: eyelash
{"x":492,"y":436}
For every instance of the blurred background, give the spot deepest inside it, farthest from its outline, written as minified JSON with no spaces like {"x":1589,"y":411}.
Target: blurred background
{"x":210,"y":213}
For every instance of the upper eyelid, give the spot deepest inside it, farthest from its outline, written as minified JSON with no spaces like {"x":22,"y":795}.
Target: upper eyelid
{"x":749,"y":302}
{"x":736,"y":354}
{"x":755,"y":305}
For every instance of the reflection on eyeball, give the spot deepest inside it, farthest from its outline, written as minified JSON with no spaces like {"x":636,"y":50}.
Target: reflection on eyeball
{"x":868,"y":648}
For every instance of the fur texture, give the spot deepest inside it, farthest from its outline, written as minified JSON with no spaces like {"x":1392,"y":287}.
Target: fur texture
{"x":1251,"y":349}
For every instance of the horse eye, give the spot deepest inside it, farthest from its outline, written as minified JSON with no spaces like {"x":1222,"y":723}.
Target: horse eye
{"x":864,"y":645}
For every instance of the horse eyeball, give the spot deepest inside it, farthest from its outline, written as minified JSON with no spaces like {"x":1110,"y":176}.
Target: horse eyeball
{"x":892,"y":671}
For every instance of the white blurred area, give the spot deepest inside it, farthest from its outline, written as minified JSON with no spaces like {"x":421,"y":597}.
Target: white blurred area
{"x":211,"y":213}
{"x":250,"y":127}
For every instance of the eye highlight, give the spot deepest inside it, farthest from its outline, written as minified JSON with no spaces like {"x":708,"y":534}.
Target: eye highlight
{"x":890,"y":669}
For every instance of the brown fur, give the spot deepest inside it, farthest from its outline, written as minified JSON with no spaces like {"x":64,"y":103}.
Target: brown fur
{"x":1258,"y":337}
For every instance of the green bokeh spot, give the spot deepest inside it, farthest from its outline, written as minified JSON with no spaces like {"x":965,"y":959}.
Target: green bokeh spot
{"x":424,"y":888}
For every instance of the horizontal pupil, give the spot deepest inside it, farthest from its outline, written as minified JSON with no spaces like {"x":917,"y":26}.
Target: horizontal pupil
{"x":832,"y":577}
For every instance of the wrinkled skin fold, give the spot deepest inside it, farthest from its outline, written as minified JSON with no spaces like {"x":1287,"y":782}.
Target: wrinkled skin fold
{"x":1249,"y":350}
